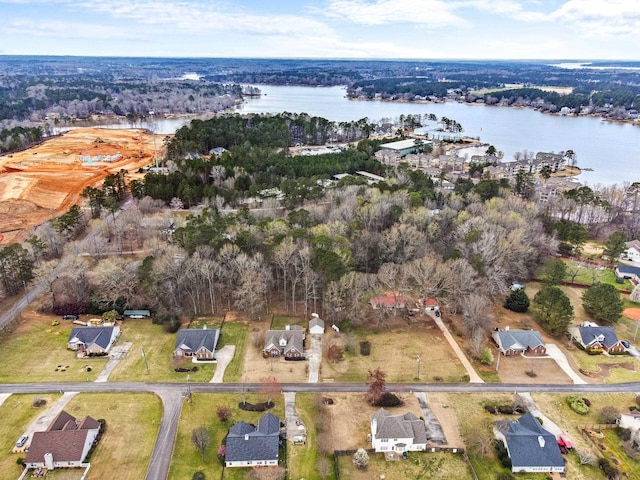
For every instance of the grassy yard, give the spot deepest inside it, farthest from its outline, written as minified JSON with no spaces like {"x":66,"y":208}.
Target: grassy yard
{"x":36,"y":351}
{"x":280,"y":321}
{"x":590,"y":274}
{"x":614,"y":450}
{"x":437,"y":361}
{"x":234,"y":333}
{"x":132,"y":420}
{"x":202,"y":413}
{"x":17,"y":413}
{"x":302,"y":460}
{"x":608,"y":369}
{"x":445,"y":466}
{"x":158,"y":349}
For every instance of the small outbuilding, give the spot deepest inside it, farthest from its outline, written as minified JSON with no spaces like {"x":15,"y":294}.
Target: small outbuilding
{"x":316,"y":325}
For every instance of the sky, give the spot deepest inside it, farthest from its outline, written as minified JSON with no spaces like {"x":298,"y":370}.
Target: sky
{"x":384,"y":29}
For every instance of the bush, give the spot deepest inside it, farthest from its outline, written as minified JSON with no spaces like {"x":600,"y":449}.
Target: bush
{"x":198,"y":476}
{"x":502,"y":454}
{"x":365,"y":348}
{"x":518,"y":301}
{"x":586,"y":401}
{"x":578,"y":405}
{"x":624,"y":434}
{"x":609,"y":414}
{"x":608,"y":469}
{"x":20,"y":461}
{"x":491,"y":409}
{"x":389,"y":400}
{"x":487,"y":356}
{"x":39,"y":402}
{"x":506,"y":409}
{"x":505,"y":476}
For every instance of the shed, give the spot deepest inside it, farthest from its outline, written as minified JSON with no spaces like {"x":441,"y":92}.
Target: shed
{"x":137,"y":313}
{"x":316,"y":325}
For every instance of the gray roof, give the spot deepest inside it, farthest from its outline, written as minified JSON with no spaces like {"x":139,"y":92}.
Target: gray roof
{"x":517,"y":339}
{"x":192,"y":339}
{"x":590,"y":335}
{"x":400,"y":426}
{"x":101,"y":336}
{"x":246,"y":442}
{"x":626,"y":269}
{"x":293,"y":338}
{"x":316,"y":322}
{"x":525,"y":449}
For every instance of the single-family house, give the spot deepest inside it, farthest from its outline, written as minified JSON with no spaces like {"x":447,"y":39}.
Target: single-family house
{"x":93,"y":340}
{"x":632,"y":253}
{"x":253,"y":446}
{"x":594,"y":338}
{"x":388,"y":301}
{"x":397,"y":433}
{"x":430,"y":304}
{"x":519,"y":342}
{"x":531,"y":448}
{"x":630,"y":420}
{"x":199,"y":343}
{"x":628,"y":272}
{"x":65,"y":443}
{"x":287,"y":343}
{"x":316,"y":325}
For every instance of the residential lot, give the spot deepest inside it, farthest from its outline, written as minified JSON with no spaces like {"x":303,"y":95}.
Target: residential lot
{"x":202,"y":413}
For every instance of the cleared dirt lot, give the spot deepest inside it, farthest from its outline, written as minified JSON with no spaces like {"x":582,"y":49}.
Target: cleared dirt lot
{"x":47,"y":179}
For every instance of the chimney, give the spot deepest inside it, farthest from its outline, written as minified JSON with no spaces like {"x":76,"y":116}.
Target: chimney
{"x":246,"y":437}
{"x":541,"y":441}
{"x":506,"y":329}
{"x":287,"y":327}
{"x":204,"y":327}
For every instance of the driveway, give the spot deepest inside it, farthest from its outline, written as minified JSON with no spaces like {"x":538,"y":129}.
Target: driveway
{"x":41,"y":423}
{"x":314,"y":356}
{"x":434,"y":429}
{"x":117,"y":353}
{"x":473,"y":376}
{"x":533,"y":409}
{"x":223,"y":358}
{"x":295,"y":427}
{"x":558,"y":355}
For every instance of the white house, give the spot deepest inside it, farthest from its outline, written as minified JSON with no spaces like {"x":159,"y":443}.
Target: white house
{"x":65,"y":443}
{"x":632,"y":253}
{"x":316,"y":325}
{"x":397,"y":433}
{"x":630,"y":420}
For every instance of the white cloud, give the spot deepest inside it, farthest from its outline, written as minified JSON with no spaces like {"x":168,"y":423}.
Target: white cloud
{"x":436,"y":13}
{"x":601,"y":17}
{"x":66,"y":30}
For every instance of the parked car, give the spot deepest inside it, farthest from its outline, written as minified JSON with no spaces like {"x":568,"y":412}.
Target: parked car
{"x":625,"y":343}
{"x":21,"y":441}
{"x":70,"y":316}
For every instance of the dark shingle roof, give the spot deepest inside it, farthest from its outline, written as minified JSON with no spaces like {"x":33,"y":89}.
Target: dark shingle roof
{"x":101,"y":336}
{"x":626,"y":269}
{"x":400,"y":426}
{"x":518,"y":339}
{"x":293,"y":338}
{"x":592,"y":334}
{"x":530,"y":445}
{"x":248,"y":443}
{"x":192,"y":339}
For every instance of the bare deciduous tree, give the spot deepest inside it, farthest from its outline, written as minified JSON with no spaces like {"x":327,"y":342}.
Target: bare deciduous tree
{"x":200,"y":438}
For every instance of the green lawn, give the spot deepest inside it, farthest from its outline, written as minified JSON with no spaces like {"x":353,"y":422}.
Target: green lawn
{"x":37,"y":352}
{"x":613,"y":445}
{"x":133,"y":419}
{"x":588,"y":275}
{"x":202,"y":413}
{"x":594,"y":363}
{"x":303,"y":459}
{"x":17,"y":413}
{"x":282,"y":320}
{"x":234,"y":333}
{"x":158,"y":349}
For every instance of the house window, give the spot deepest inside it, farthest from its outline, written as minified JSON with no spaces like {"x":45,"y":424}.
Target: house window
{"x":384,"y":440}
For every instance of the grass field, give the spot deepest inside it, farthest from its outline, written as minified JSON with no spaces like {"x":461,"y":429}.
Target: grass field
{"x":158,"y":349}
{"x":17,"y":412}
{"x":445,"y":466}
{"x":234,"y":333}
{"x":302,"y":460}
{"x":437,"y":361}
{"x":36,"y":351}
{"x":280,"y":321}
{"x":614,"y":450}
{"x":202,"y":413}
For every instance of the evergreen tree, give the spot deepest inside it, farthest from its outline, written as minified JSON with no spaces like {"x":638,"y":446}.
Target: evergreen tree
{"x":603,"y":302}
{"x":553,"y":309}
{"x":518,"y":301}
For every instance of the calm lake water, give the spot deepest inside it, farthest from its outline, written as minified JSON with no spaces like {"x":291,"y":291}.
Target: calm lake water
{"x":612,"y":150}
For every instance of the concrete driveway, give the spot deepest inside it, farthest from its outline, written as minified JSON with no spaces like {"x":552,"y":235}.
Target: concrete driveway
{"x":117,"y":353}
{"x":295,"y":427}
{"x":223,"y":358}
{"x":314,"y":357}
{"x":434,"y":429}
{"x":554,"y":352}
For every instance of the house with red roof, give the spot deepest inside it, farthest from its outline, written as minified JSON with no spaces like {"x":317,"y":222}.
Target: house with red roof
{"x":65,"y":443}
{"x":388,"y":301}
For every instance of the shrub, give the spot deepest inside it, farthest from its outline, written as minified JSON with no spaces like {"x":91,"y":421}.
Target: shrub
{"x":365,"y":348}
{"x":505,"y":409}
{"x":609,"y":414}
{"x":586,"y":401}
{"x":389,"y":400}
{"x":505,"y":476}
{"x":608,"y":469}
{"x":198,"y":476}
{"x":624,"y":434}
{"x":39,"y":402}
{"x":502,"y":454}
{"x":487,"y":356}
{"x":223,"y":413}
{"x":361,"y":459}
{"x":578,"y":405}
{"x":518,"y":301}
{"x":491,"y":409}
{"x":20,"y":461}
{"x":335,"y":353}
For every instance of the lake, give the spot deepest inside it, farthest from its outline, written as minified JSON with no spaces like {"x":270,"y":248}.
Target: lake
{"x":611,"y":149}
